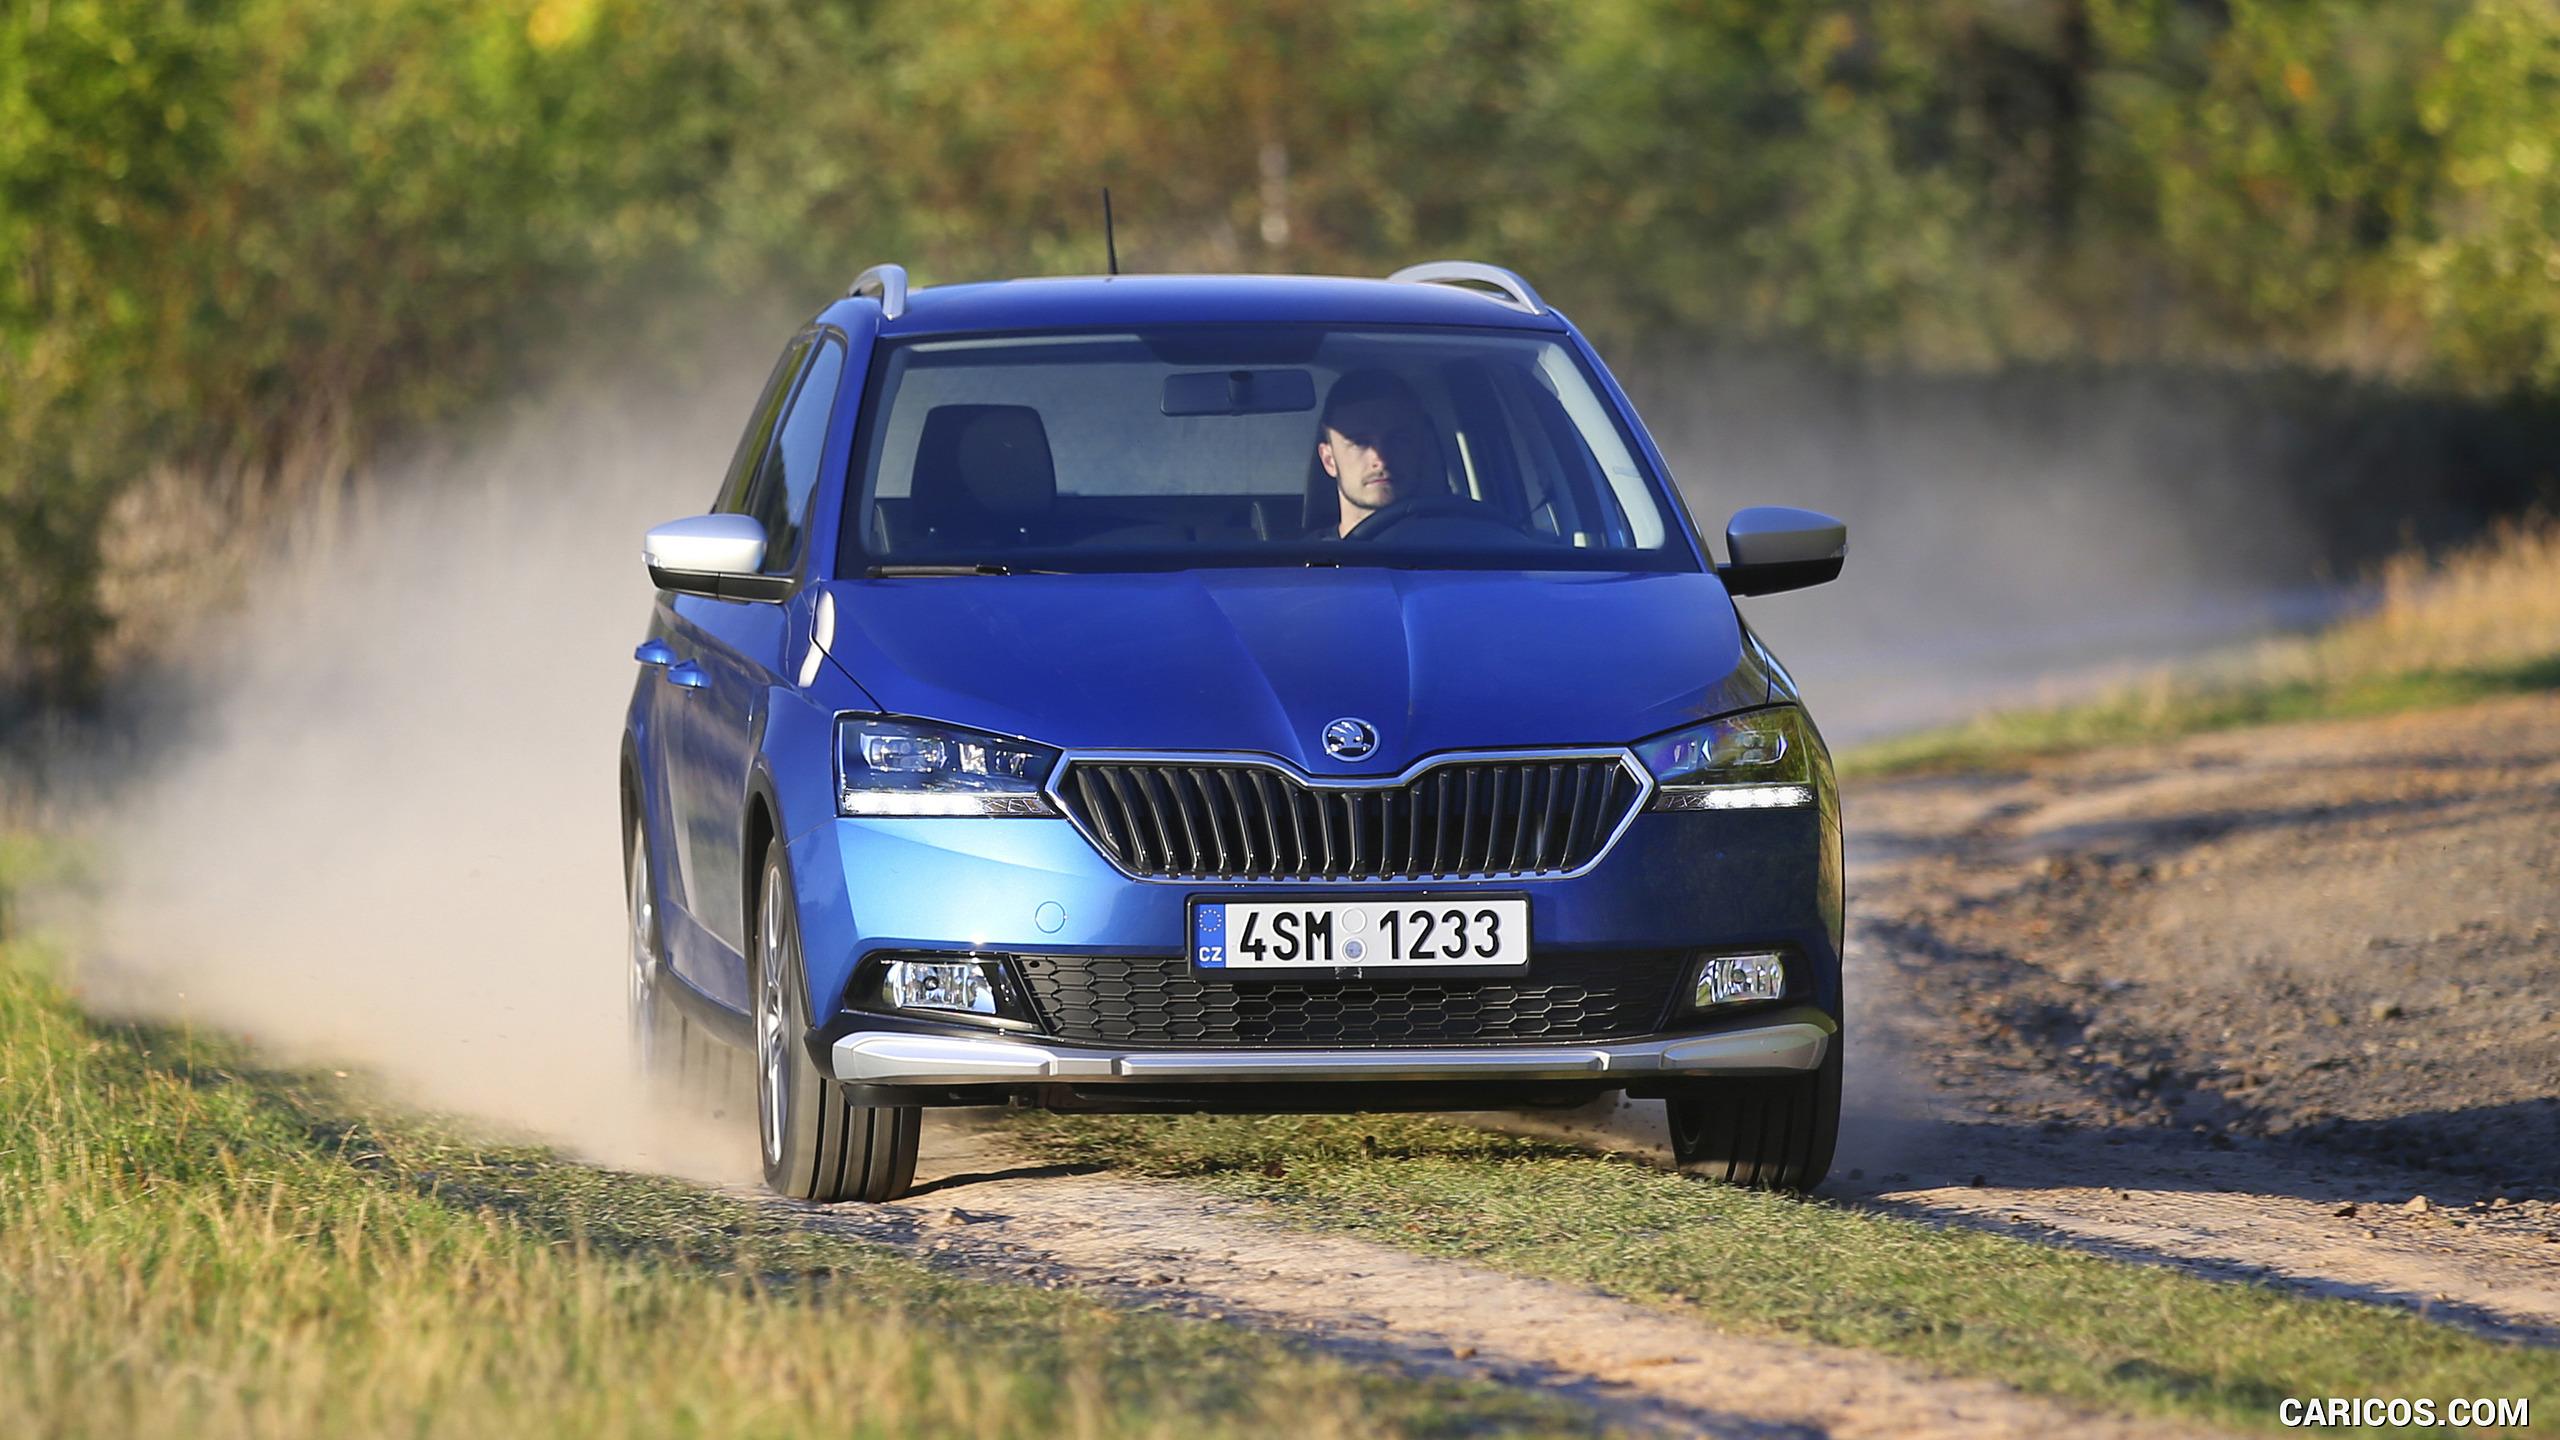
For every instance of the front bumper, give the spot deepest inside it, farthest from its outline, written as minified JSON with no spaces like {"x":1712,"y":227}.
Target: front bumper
{"x":1675,"y":883}
{"x":1790,"y":1043}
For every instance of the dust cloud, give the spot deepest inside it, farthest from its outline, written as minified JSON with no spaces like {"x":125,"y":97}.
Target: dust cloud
{"x":376,"y":822}
{"x":2011,"y":539}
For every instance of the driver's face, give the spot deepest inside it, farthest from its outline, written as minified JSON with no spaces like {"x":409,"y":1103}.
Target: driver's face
{"x":1368,"y":448}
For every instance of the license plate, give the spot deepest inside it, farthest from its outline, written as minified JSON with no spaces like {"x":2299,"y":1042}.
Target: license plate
{"x":1438,"y":933}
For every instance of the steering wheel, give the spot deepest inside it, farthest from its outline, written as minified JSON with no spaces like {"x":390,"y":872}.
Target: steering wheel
{"x":1387,"y":517}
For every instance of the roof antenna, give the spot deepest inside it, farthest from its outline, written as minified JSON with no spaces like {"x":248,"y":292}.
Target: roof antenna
{"x":1110,"y":245}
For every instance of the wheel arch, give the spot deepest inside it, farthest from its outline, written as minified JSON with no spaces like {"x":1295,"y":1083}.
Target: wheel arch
{"x":759,"y":830}
{"x":790,"y":743}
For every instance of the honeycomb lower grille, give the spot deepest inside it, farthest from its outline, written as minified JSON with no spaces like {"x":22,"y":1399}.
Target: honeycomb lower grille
{"x":1149,"y":1001}
{"x":1460,"y":818}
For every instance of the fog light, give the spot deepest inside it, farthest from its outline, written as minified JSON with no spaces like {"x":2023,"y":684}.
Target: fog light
{"x":1734,"y":979}
{"x":940,"y":985}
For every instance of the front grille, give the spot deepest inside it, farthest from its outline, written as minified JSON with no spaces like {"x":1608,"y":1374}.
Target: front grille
{"x":1462,"y":818}
{"x":1146,"y":1000}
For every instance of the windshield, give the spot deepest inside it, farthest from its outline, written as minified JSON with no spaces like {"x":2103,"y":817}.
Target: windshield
{"x":1250,"y":445}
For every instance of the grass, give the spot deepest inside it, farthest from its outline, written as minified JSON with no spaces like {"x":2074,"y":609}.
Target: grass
{"x":2475,"y":624}
{"x":194,"y":1244}
{"x":2046,"y":1319}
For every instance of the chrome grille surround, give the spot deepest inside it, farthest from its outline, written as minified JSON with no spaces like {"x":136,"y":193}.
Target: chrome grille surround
{"x":1198,"y":826}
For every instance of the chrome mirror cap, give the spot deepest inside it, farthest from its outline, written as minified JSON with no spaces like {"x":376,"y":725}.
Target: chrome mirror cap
{"x":721,"y":556}
{"x":706,"y":545}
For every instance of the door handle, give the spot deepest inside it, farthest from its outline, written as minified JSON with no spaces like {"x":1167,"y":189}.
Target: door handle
{"x":654,"y":652}
{"x":687,"y":675}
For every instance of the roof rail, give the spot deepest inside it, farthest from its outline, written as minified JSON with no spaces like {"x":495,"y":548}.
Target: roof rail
{"x":888,"y":283}
{"x":1475,"y":275}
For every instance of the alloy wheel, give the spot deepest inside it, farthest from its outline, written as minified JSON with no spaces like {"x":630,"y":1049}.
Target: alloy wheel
{"x":772,"y":1083}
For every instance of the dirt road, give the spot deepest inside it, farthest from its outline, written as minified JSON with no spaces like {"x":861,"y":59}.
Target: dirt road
{"x":2233,"y":1004}
{"x":2239,"y":1001}
{"x":983,"y":1206}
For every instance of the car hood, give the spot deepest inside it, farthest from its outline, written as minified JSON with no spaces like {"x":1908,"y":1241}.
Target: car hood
{"x":1262,"y":660}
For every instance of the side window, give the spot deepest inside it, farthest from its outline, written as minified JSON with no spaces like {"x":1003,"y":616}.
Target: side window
{"x":759,"y":437}
{"x":1569,"y":491}
{"x":779,"y":496}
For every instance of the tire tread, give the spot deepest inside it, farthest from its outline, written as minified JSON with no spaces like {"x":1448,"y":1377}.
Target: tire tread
{"x":1766,"y":1132}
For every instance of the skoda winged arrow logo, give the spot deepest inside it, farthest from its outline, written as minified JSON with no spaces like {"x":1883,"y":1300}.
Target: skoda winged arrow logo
{"x":1350,"y":739}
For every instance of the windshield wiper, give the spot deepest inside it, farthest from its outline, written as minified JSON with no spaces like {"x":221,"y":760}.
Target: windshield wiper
{"x":893,"y":572}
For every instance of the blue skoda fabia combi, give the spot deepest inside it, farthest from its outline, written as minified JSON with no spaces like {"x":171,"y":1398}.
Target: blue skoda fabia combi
{"x":1224,"y":693}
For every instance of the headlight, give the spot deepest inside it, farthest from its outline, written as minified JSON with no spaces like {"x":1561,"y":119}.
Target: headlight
{"x":1757,"y":760}
{"x":906,"y":767}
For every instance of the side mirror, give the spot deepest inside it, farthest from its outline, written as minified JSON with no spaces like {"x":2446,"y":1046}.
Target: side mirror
{"x":1778,"y":548}
{"x":714,"y":555}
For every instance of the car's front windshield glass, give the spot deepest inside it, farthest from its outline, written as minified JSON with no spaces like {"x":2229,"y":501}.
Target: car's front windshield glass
{"x":1250,"y":445}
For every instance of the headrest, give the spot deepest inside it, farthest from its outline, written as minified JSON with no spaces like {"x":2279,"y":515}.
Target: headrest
{"x":983,"y":472}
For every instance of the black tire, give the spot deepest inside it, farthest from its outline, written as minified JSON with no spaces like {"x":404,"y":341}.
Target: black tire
{"x":816,"y":1145}
{"x":1769,"y":1132}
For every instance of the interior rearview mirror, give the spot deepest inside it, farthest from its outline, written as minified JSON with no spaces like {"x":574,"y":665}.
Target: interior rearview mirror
{"x":1776,"y":547}
{"x":715,"y":555}
{"x":1239,"y":392}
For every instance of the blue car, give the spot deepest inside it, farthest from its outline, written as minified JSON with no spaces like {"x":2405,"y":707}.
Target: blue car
{"x":1237,"y":693}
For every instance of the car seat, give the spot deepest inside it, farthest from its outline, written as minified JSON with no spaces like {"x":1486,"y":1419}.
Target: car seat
{"x":983,"y":476}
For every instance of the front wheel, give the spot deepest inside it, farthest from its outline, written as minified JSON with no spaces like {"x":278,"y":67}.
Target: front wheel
{"x":816,"y":1145}
{"x":1770,"y":1132}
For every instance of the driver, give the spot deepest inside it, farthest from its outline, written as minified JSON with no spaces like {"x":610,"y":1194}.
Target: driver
{"x":1378,"y":445}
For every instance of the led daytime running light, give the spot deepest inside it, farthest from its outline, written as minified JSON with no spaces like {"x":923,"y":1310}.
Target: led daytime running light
{"x":1731,"y":797}
{"x":947,"y":802}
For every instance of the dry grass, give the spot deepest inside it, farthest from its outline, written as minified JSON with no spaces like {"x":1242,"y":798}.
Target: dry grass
{"x":2477,"y":622}
{"x":2493,"y":604}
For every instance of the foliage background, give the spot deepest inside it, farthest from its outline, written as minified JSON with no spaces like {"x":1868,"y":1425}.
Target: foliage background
{"x":245,"y":246}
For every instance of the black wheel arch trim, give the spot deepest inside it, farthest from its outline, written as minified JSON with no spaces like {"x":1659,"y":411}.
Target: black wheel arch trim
{"x":635,"y":806}
{"x":731,"y":1027}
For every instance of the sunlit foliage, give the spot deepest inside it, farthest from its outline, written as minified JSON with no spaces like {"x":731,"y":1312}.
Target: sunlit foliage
{"x":246,"y":243}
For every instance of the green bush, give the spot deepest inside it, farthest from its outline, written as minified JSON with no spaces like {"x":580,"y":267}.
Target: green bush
{"x":246,"y":244}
